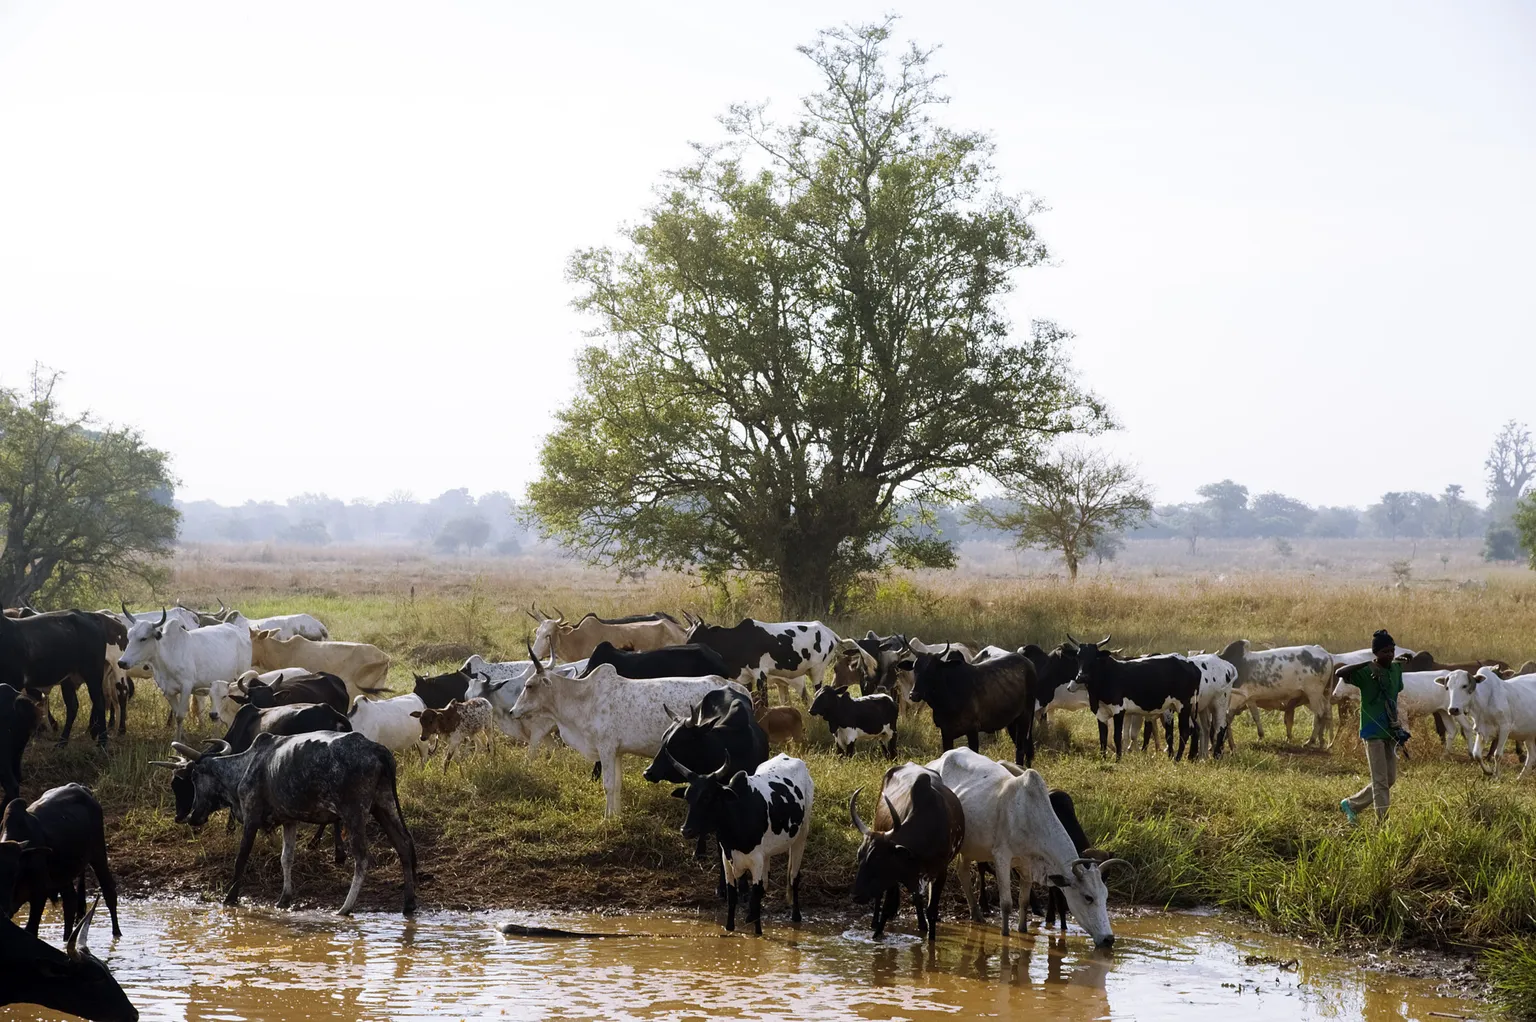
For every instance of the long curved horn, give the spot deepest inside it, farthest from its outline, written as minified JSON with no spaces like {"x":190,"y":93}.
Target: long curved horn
{"x":163,"y":615}
{"x":559,"y":614}
{"x":853,"y":812}
{"x":217,"y":747}
{"x":896,"y":820}
{"x":170,"y":764}
{"x":1116,"y":862}
{"x":79,"y":939}
{"x":675,"y":718}
{"x":190,"y":754}
{"x":1104,"y":642}
{"x":126,"y":612}
{"x":688,"y":775}
{"x":1072,"y":640}
{"x":538,"y":665}
{"x":531,"y":614}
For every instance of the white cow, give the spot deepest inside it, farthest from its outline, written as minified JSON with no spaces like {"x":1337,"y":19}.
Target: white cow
{"x":187,"y":660}
{"x":604,"y":716}
{"x":501,"y":683}
{"x":288,"y":625}
{"x":1504,"y":711}
{"x":1213,"y":704}
{"x":393,"y":723}
{"x":1009,"y":822}
{"x":1424,"y":694}
{"x":1284,"y":678}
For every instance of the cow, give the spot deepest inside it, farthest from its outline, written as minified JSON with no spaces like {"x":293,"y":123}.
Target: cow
{"x":1011,"y":822}
{"x":187,"y":660}
{"x":116,"y":683}
{"x":67,"y":821}
{"x":968,"y":699}
{"x":63,"y":648}
{"x":72,"y":981}
{"x":756,"y":817}
{"x":918,"y":646}
{"x":1284,"y":678}
{"x":604,"y":716}
{"x":1503,"y":709}
{"x":1424,"y":660}
{"x":784,"y":725}
{"x":687,"y":661}
{"x":1148,"y":686}
{"x":848,"y":717}
{"x":292,"y":719}
{"x":326,"y":777}
{"x":919,"y":827}
{"x":305,"y":626}
{"x":567,"y":642}
{"x":855,"y":665}
{"x":468,"y":718}
{"x":365,"y":668}
{"x":226,"y":697}
{"x":719,"y":732}
{"x":1213,"y":703}
{"x":18,"y":719}
{"x":502,"y":683}
{"x":288,"y":689}
{"x":1424,"y":694}
{"x":1052,"y":690}
{"x":438,"y":690}
{"x":784,"y":652}
{"x":393,"y":723}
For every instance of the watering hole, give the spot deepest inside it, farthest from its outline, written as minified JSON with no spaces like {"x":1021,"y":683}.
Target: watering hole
{"x":193,"y":962}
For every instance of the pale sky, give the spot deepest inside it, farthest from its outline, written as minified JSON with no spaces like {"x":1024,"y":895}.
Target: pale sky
{"x":321,"y":246}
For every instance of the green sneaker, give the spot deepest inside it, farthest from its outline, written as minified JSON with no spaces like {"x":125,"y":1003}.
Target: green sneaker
{"x":1348,"y":810}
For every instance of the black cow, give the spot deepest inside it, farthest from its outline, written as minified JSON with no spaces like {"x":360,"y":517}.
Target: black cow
{"x":849,"y":716}
{"x":320,"y":687}
{"x":439,"y":690}
{"x":67,"y":821}
{"x":967,"y":699}
{"x":18,"y":719}
{"x":1150,"y":685}
{"x":919,"y":828}
{"x":1053,"y":671}
{"x":62,"y":648}
{"x":72,"y":981}
{"x":690,"y":661}
{"x":323,"y":778}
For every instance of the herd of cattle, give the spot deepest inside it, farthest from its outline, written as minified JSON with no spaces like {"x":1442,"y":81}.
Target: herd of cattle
{"x":312,"y":737}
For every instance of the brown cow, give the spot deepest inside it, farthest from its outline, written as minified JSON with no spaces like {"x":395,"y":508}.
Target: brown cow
{"x":460,"y":719}
{"x":784,"y":724}
{"x":577,"y":641}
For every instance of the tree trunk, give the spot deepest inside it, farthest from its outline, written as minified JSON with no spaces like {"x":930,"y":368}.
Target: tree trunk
{"x":805,"y":587}
{"x":1071,"y":567}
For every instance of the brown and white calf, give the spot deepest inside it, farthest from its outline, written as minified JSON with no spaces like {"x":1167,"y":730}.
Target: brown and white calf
{"x":460,"y":719}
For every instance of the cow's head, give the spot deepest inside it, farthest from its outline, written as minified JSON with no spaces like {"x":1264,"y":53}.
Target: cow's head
{"x":197,"y":792}
{"x":854,"y":665}
{"x":23,"y":868}
{"x":692,"y":742}
{"x":709,"y":796}
{"x":1087,"y":896}
{"x":1094,"y":672}
{"x":538,"y":690}
{"x":146,"y":635}
{"x":1462,"y":687}
{"x":548,"y":628}
{"x":73,"y":981}
{"x":883,"y":860}
{"x":932,"y":673}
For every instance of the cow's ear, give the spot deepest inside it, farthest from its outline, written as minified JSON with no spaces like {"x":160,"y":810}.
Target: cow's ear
{"x":679,"y":792}
{"x":1443,"y":682}
{"x":1057,"y":880}
{"x":417,"y":714}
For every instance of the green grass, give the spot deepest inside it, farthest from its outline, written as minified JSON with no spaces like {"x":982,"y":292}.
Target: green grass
{"x":1259,"y":832}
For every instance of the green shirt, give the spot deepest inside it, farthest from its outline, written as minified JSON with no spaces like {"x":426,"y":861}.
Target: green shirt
{"x":1378,"y":685}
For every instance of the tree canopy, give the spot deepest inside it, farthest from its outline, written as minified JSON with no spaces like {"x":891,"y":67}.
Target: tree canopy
{"x":84,"y":508}
{"x":802,"y":341}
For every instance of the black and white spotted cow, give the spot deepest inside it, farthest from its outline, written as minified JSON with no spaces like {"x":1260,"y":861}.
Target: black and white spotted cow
{"x":785,"y":652}
{"x":756,"y":818}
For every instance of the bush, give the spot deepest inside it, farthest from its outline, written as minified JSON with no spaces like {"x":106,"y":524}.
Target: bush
{"x":1501,"y":543}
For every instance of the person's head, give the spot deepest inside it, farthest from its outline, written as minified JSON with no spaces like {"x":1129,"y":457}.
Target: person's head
{"x":1383,"y":646}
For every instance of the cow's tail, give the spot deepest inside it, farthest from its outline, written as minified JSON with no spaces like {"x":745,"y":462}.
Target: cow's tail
{"x":391,"y":771}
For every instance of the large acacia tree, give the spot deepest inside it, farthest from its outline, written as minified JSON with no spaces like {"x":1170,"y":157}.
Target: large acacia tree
{"x":801,"y":342}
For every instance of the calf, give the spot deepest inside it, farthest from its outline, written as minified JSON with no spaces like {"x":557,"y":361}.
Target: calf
{"x":1284,"y":678}
{"x":849,"y":717}
{"x":783,"y":724}
{"x":64,"y":649}
{"x":1504,"y":710}
{"x":1012,"y":823}
{"x":782,"y":651}
{"x":393,"y":723}
{"x":756,"y":817}
{"x":687,"y":661}
{"x":1147,"y":686}
{"x":72,"y":981}
{"x":68,"y":822}
{"x":18,"y":719}
{"x":919,"y":827}
{"x":966,"y":699}
{"x":323,"y":778}
{"x":455,"y":722}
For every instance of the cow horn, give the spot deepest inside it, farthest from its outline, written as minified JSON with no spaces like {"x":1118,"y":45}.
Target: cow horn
{"x":1072,"y":640}
{"x":896,"y":820}
{"x":853,"y":813}
{"x":1116,"y":862}
{"x":217,"y":747}
{"x":164,"y":614}
{"x":170,"y":764}
{"x":1079,"y":864}
{"x":222,"y":609}
{"x":126,"y":612}
{"x":675,"y":718}
{"x":192,"y":755}
{"x":689,"y":776}
{"x":1104,"y":642}
{"x":79,"y":938}
{"x":559,"y":614}
{"x":538,"y":665}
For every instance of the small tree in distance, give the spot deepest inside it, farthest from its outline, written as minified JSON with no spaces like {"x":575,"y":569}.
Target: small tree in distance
{"x":1070,"y":502}
{"x":1525,"y":526}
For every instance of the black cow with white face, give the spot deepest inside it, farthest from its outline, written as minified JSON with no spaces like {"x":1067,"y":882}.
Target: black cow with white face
{"x":1148,"y":686}
{"x":689,"y":661}
{"x":756,"y":817}
{"x":785,"y":652}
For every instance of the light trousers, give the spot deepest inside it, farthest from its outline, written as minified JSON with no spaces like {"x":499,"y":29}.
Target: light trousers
{"x":1382,"y":756}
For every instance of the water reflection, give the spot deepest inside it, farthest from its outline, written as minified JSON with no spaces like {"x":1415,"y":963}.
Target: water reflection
{"x":191,"y":962}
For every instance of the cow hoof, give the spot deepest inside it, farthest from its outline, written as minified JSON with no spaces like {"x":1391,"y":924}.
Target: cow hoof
{"x":231,"y":900}
{"x":61,"y":743}
{"x":794,"y":917}
{"x":410,"y":907}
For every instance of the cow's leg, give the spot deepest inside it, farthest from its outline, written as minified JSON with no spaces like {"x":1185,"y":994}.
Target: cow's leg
{"x":890,"y":745}
{"x":1004,"y":884}
{"x":1258,"y":720}
{"x":182,"y":698}
{"x":731,"y":894}
{"x":967,"y":888}
{"x":1290,"y":721}
{"x":386,"y":814}
{"x":919,"y":904}
{"x":71,"y":706}
{"x":358,"y":839}
{"x":108,"y":884}
{"x":720,"y":880}
{"x":453,"y":747}
{"x":973,"y":739}
{"x":247,"y":839}
{"x":794,"y":897}
{"x":1499,"y":747}
{"x":290,"y":843}
{"x":947,"y":740}
{"x":611,"y":780}
{"x":936,"y":896}
{"x":756,"y":908}
{"x":1530,"y":756}
{"x":597,"y":770}
{"x":1119,"y":732}
{"x":1186,"y":729}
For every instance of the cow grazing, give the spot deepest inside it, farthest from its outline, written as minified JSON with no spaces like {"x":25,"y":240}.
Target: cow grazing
{"x":67,"y":821}
{"x":468,"y":718}
{"x":785,"y":652}
{"x":1011,"y":822}
{"x":850,"y":717}
{"x":187,"y":660}
{"x":63,"y":648}
{"x":604,"y":716}
{"x":784,"y":724}
{"x":919,"y":828}
{"x":363,"y":667}
{"x":322,"y":778}
{"x":1284,"y":678}
{"x":687,"y":661}
{"x":756,"y":817}
{"x":393,"y":723}
{"x":1147,"y":686}
{"x":439,"y":690}
{"x":567,"y":642}
{"x":855,"y":665}
{"x":72,"y":981}
{"x":18,"y":719}
{"x":1503,"y":710}
{"x":968,"y":699}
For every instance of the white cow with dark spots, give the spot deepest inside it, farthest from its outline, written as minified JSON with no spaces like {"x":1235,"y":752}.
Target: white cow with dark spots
{"x":1284,"y":678}
{"x":784,"y":652}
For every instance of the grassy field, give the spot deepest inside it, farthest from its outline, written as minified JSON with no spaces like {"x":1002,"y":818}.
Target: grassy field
{"x":1259,"y":831}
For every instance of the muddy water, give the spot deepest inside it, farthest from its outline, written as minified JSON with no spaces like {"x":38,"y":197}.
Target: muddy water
{"x":198,"y":963}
